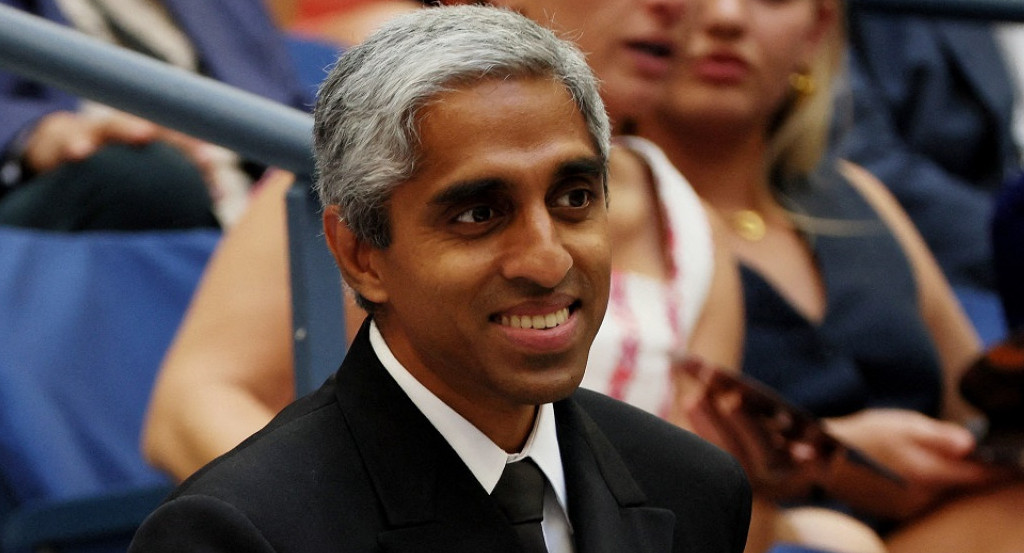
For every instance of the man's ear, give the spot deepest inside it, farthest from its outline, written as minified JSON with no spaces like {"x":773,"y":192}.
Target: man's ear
{"x":354,"y":257}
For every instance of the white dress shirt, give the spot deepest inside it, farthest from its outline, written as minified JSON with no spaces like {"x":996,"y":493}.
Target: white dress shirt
{"x":483,"y":457}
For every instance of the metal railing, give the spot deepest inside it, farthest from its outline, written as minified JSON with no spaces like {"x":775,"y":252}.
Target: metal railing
{"x":256,"y":127}
{"x":259,"y":129}
{"x":55,"y":55}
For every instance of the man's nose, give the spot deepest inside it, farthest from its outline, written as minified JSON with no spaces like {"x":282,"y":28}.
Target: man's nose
{"x":535,"y":251}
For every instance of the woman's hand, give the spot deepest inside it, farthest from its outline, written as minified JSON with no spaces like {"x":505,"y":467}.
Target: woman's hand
{"x":923,"y":450}
{"x":933,"y":457}
{"x":65,"y":137}
{"x":784,"y":452}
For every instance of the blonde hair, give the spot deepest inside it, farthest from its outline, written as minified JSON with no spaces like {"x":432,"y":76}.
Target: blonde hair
{"x":800,"y":136}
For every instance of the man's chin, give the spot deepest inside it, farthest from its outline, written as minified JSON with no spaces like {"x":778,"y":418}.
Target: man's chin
{"x":552,"y":387}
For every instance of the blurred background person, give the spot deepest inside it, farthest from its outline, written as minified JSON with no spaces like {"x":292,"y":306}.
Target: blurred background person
{"x":343,"y":22}
{"x":945,"y":171}
{"x":847,"y":313}
{"x":69,"y":164}
{"x":1008,"y":251}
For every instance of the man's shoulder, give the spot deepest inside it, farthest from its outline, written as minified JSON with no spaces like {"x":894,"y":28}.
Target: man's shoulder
{"x":643,"y":439}
{"x":312,"y":425}
{"x":287,"y":467}
{"x":627,"y":425}
{"x":674,"y":469}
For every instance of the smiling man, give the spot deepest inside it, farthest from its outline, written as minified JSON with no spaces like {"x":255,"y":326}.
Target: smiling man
{"x":496,"y":276}
{"x":462,"y":160}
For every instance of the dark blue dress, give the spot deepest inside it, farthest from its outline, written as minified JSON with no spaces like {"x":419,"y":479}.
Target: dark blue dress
{"x":872,"y":349}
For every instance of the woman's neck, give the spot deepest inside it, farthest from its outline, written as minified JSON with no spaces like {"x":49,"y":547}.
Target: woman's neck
{"x":726,"y":169}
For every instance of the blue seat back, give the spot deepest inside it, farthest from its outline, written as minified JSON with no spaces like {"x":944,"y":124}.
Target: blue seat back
{"x":85,"y":320}
{"x":318,"y":318}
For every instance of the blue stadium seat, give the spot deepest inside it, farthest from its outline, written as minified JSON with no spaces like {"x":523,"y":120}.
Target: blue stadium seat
{"x":85,"y":320}
{"x":318,"y":317}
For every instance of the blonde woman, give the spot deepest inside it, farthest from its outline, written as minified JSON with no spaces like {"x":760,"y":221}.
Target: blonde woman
{"x":847,"y":312}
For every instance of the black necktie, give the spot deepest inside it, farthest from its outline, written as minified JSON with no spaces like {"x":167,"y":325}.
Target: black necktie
{"x":520,"y":494}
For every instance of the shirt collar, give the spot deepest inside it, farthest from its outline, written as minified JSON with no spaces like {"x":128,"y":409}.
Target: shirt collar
{"x":483,"y":457}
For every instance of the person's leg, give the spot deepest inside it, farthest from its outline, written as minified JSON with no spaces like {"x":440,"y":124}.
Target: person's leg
{"x":821,"y":529}
{"x":123,"y":188}
{"x":987,"y":522}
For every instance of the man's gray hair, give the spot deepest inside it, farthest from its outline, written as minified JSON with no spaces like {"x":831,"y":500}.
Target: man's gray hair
{"x":365,"y":132}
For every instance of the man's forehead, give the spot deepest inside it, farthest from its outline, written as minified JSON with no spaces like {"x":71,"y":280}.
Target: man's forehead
{"x":500,"y":110}
{"x":488,"y":83}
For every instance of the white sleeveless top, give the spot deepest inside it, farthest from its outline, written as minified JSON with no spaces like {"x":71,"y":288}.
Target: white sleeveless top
{"x":647,"y":318}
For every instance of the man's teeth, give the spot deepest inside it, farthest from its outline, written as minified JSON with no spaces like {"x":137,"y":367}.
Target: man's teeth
{"x":541,"y":322}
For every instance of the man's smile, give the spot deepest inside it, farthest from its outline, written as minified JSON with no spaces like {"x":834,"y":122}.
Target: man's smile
{"x":549,"y":320}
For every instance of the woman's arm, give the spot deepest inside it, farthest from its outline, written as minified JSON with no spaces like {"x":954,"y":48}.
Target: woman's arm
{"x":230,"y":368}
{"x":954,"y":337}
{"x":718,"y":334}
{"x":931,"y":454}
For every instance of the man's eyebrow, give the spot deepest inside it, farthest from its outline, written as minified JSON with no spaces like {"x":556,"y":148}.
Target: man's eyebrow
{"x":469,"y":190}
{"x":587,"y":166}
{"x":466,"y":191}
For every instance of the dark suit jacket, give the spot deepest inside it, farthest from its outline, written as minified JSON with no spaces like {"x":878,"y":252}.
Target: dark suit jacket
{"x":235,"y":39}
{"x":356,"y":467}
{"x":932,"y":111}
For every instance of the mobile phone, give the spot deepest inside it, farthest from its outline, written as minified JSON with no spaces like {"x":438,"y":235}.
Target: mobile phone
{"x":779,"y":416}
{"x":994,"y":383}
{"x":998,"y":446}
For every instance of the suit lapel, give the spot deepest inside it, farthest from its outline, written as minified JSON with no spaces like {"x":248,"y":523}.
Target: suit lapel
{"x":431,"y":500}
{"x":606,"y":507}
{"x":433,"y":503}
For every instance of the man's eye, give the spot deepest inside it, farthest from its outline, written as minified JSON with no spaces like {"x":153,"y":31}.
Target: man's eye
{"x":579,"y":197}
{"x":479,"y":214}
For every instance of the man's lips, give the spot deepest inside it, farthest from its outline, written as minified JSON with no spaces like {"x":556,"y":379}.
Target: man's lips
{"x":537,"y":329}
{"x":538,"y":318}
{"x":541,"y":322}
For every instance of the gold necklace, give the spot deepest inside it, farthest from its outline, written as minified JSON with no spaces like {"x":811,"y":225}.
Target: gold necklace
{"x":748,"y":224}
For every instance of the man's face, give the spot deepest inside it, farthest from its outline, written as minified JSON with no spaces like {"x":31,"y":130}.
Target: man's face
{"x":504,"y":222}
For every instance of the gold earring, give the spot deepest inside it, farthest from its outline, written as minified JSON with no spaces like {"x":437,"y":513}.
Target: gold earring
{"x":802,"y":83}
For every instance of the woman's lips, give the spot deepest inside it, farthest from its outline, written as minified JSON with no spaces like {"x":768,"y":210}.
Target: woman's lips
{"x":721,"y":68}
